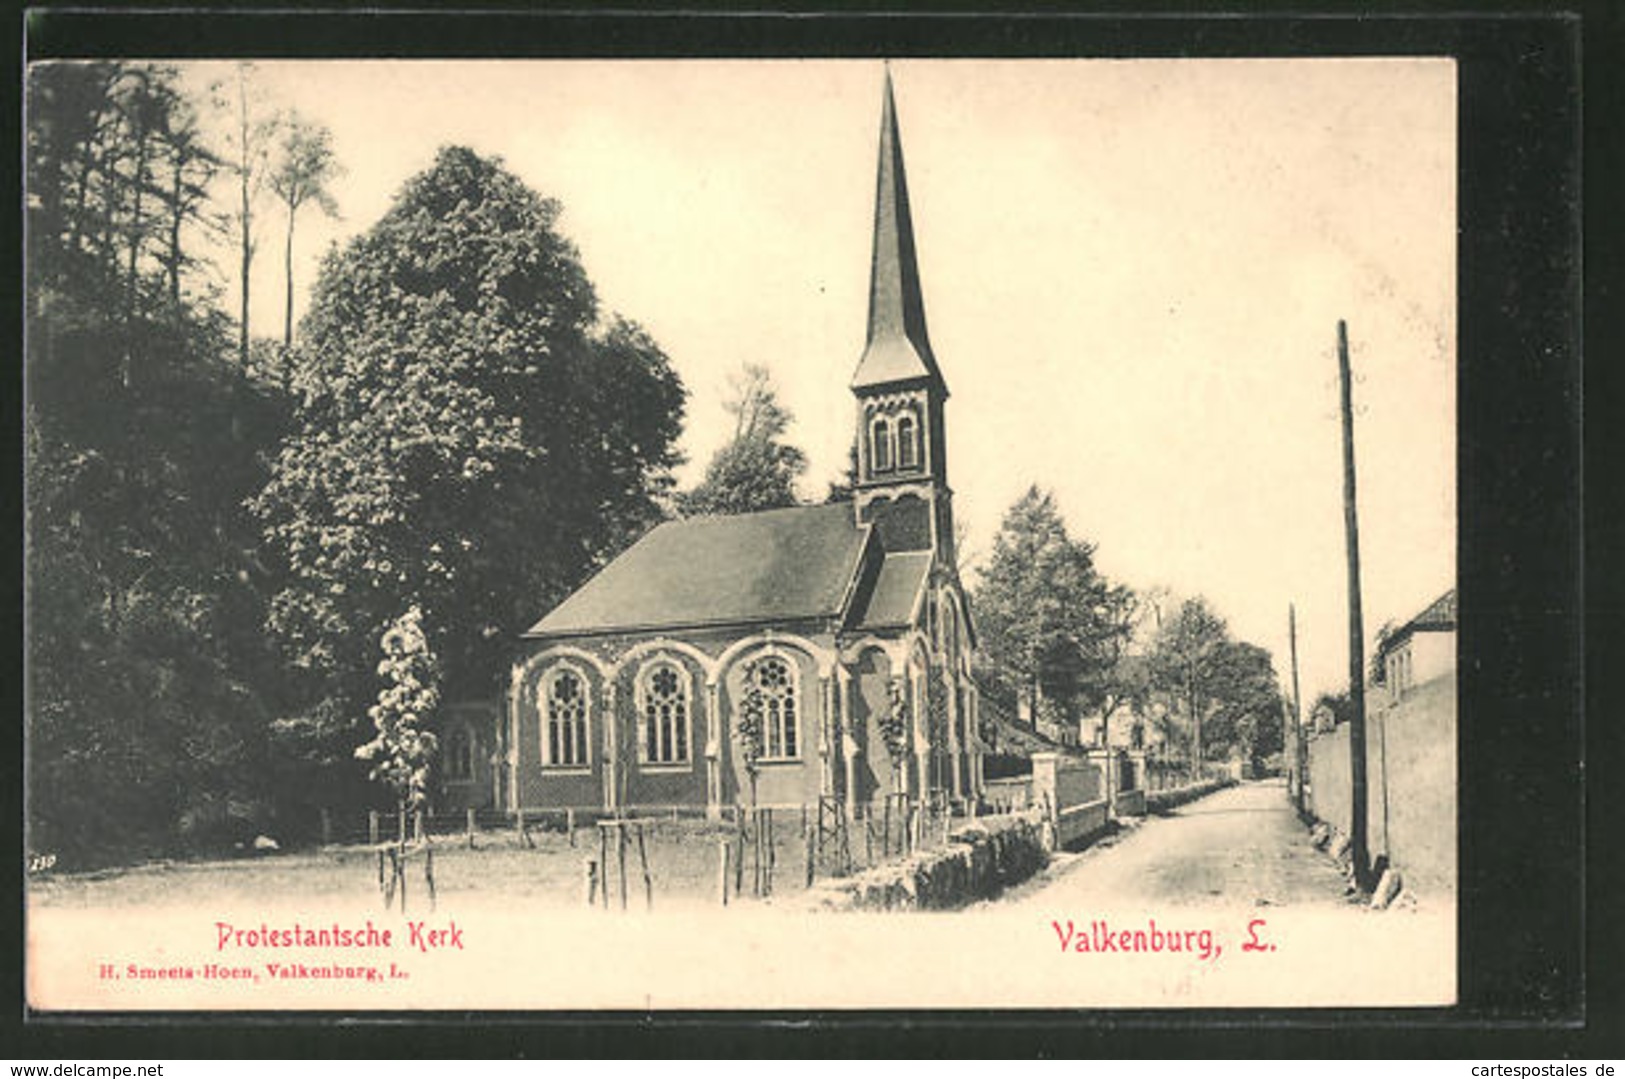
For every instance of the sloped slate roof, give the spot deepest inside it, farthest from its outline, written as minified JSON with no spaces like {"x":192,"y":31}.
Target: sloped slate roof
{"x":896,"y":591}
{"x":1440,"y":614}
{"x":778,"y":564}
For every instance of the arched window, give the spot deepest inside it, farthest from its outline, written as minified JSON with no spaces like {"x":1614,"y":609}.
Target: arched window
{"x":665,"y":707}
{"x":458,"y":756}
{"x":908,"y":446}
{"x":880,"y":445}
{"x":564,"y":708}
{"x":775,"y":678}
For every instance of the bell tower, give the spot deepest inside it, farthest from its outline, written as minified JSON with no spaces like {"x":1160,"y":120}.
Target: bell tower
{"x":902,"y":445}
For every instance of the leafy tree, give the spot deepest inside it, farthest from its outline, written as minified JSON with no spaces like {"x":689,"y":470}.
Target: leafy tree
{"x":1247,"y":714}
{"x":1111,"y":678}
{"x":402,"y":749}
{"x":1342,"y":708}
{"x":1225,"y":691}
{"x":468,"y":439}
{"x":756,"y":470}
{"x":1047,"y":618}
{"x":146,"y":726}
{"x":300,"y":173}
{"x":841,"y":490}
{"x":1185,"y":665}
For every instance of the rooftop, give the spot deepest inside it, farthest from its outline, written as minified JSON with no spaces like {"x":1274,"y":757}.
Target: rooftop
{"x":778,"y":564}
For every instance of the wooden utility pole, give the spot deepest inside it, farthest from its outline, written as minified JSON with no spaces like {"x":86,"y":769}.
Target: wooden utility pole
{"x":1299,"y":758}
{"x":1359,"y":849}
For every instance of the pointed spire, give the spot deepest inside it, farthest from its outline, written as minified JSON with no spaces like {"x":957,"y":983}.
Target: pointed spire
{"x":897,"y":349}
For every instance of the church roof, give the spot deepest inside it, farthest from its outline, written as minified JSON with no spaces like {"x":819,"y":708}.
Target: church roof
{"x":778,"y":564}
{"x":897,"y":348}
{"x":897,"y":590}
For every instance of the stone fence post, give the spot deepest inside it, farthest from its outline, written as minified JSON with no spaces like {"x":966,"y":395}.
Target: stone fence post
{"x":1046,"y":767}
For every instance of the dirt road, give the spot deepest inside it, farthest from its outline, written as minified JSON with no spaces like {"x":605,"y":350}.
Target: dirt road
{"x":1242,"y":846}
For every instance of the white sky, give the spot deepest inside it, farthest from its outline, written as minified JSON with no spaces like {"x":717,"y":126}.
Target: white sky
{"x":1133,"y":272}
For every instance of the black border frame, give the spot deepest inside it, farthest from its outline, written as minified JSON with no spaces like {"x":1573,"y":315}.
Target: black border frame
{"x":1526,"y":985}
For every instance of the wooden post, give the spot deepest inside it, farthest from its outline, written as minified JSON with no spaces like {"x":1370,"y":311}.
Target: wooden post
{"x":756,"y":854}
{"x":771,"y":852}
{"x":648,"y":881}
{"x":885,"y":829}
{"x":620,"y":857}
{"x":1298,"y":756}
{"x":811,"y":842}
{"x":1358,"y":846}
{"x":470,"y":826}
{"x":570,"y":824}
{"x":722,"y":871}
{"x":603,"y":863}
{"x":372,"y":827}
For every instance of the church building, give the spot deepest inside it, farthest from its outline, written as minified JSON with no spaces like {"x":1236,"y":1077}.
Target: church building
{"x":784,"y":656}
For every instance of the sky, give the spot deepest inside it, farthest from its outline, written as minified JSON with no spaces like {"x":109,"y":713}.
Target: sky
{"x":1133,"y":272}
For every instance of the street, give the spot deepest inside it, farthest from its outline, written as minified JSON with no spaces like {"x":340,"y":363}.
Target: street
{"x":1240,"y":847}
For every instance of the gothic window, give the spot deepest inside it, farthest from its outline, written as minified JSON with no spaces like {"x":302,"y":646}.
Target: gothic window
{"x":880,"y":445}
{"x":665,"y":715}
{"x":908,"y":447}
{"x":459,"y":754}
{"x":564,"y":711}
{"x":776,"y":680}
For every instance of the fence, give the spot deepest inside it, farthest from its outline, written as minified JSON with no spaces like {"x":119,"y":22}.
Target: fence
{"x":1071,"y":792}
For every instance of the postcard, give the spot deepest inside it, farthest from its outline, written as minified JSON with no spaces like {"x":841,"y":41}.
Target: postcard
{"x":741,"y":534}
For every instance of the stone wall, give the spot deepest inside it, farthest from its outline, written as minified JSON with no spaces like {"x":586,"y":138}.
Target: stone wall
{"x":982,"y":857}
{"x":1129,"y":803}
{"x":1410,"y":784}
{"x":1073,"y":791}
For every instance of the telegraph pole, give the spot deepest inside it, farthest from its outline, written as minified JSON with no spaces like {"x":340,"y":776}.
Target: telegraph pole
{"x":1296,"y":718}
{"x":1359,"y":849}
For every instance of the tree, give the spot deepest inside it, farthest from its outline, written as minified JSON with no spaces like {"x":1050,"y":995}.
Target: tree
{"x":1247,"y":714}
{"x":1226,"y":689}
{"x":756,"y":469}
{"x":248,"y":140}
{"x":144,"y":671}
{"x":1112,"y":678}
{"x":402,"y":748}
{"x":469,"y":439}
{"x":1047,"y":618}
{"x":842,"y":490}
{"x":300,"y":173}
{"x":1185,"y":661}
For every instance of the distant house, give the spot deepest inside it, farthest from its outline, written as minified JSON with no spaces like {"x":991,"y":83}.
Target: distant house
{"x":1323,"y":718}
{"x":835,"y":638}
{"x":1419,"y":651}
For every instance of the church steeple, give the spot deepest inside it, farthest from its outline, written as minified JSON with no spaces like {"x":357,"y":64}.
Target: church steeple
{"x":897,"y":348}
{"x":902,"y":444}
